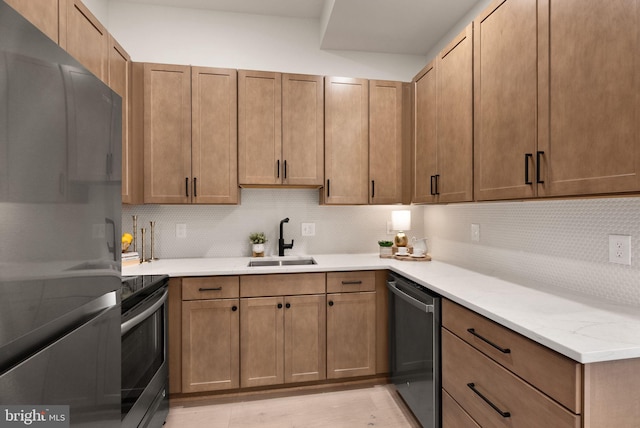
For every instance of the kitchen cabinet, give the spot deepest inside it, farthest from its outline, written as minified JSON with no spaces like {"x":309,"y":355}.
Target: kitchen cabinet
{"x":505,"y":74}
{"x":533,"y":384}
{"x":589,"y":123}
{"x":177,"y":169}
{"x":346,"y":141}
{"x":41,"y":13}
{"x":351,"y":324}
{"x":84,"y":37}
{"x":210,"y":334}
{"x":281,"y":124}
{"x":282,"y":319}
{"x":385,"y":142}
{"x":174,"y":333}
{"x":444,"y":125}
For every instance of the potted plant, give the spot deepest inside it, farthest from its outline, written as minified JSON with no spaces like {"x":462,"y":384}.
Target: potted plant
{"x":257,"y":239}
{"x":386,"y":250}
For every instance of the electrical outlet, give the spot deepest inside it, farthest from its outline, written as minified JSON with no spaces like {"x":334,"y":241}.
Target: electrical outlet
{"x":308,"y":229}
{"x":620,"y":249}
{"x":475,"y":232}
{"x":181,"y":230}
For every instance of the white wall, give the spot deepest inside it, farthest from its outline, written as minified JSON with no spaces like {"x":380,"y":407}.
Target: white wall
{"x":255,"y":42}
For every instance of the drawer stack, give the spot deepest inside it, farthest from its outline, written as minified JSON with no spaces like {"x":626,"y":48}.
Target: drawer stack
{"x":493,"y":377}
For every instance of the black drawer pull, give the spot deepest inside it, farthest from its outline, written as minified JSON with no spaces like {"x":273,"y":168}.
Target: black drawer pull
{"x":351,"y":282}
{"x":234,"y":308}
{"x":499,"y":348}
{"x":279,"y":305}
{"x":472,"y":386}
{"x":538,"y":156}
{"x":288,"y":305}
{"x":527,"y":156}
{"x":210,"y":289}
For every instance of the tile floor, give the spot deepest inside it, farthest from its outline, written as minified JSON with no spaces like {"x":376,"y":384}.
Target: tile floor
{"x":372,"y":406}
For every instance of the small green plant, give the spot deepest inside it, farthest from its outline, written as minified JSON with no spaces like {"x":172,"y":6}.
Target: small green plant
{"x":385,"y":243}
{"x":257,"y":238}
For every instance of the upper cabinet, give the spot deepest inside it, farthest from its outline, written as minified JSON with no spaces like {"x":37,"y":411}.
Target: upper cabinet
{"x":443,"y":151}
{"x":41,"y":13}
{"x":589,"y":134}
{"x":385,"y":142}
{"x":84,"y":37}
{"x":175,"y":169}
{"x":346,"y":141}
{"x":280,"y":129}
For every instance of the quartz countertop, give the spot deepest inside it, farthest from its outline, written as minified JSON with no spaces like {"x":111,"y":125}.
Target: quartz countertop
{"x":583,"y":328}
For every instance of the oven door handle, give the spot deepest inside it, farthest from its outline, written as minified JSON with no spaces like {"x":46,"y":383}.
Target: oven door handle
{"x":413,"y":302}
{"x":128,"y":325}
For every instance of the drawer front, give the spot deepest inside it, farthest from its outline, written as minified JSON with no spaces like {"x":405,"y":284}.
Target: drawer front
{"x":347,"y":282}
{"x":454,"y":416}
{"x":210,"y":287}
{"x":282,"y":284}
{"x":484,"y":389}
{"x":554,"y":374}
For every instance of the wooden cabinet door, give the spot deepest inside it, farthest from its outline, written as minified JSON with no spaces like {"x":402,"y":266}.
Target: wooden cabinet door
{"x":41,"y":13}
{"x":261,"y":341}
{"x":259,"y":128}
{"x":351,"y":334}
{"x":302,"y":130}
{"x":304,"y":338}
{"x":425,"y":138}
{"x":119,"y":79}
{"x":505,"y":100}
{"x":214,"y":148}
{"x":385,"y":142}
{"x":167,"y":134}
{"x":346,"y":141}
{"x":590,"y":108}
{"x":84,"y":37}
{"x":455,"y":120}
{"x":210,"y":345}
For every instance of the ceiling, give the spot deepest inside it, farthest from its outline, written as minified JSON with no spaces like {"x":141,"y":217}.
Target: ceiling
{"x":409,"y":27}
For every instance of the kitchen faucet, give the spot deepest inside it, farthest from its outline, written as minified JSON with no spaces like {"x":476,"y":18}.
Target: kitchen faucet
{"x":281,"y":245}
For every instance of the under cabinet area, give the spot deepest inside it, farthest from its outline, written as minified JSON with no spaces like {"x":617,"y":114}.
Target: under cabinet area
{"x":496,"y":377}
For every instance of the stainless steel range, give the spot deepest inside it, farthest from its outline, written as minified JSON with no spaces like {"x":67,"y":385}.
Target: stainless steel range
{"x":145,"y":373}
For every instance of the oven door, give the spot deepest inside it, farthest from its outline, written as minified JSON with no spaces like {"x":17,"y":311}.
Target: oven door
{"x":144,"y":362}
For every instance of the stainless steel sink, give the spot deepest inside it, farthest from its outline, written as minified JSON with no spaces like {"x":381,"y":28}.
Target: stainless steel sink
{"x":289,"y":261}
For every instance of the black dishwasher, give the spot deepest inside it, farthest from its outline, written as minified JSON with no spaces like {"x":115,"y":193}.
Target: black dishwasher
{"x":414,"y":323}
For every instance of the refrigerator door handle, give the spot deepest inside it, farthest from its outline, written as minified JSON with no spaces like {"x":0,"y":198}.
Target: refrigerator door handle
{"x":112,"y":248}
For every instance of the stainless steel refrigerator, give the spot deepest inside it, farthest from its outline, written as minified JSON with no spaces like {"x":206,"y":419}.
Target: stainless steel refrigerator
{"x":60,"y":211}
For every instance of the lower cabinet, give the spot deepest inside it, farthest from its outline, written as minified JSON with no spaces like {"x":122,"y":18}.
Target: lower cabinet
{"x":351,"y":324}
{"x":210,"y":334}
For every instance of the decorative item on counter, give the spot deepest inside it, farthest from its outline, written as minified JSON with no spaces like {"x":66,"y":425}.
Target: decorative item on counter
{"x":142,"y":232}
{"x":135,"y":232}
{"x":257,"y":239}
{"x":153,"y":257}
{"x":400,"y":222}
{"x":130,"y":259}
{"x":386,"y":250}
{"x":127,"y":238}
{"x":417,"y":252}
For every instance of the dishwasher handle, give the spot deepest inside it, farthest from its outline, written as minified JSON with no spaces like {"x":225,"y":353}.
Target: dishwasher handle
{"x":413,"y":302}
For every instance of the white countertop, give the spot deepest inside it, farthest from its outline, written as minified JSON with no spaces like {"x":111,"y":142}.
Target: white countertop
{"x":585,"y":329}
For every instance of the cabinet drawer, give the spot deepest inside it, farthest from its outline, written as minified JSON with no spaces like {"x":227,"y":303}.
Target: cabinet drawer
{"x":210,"y":287}
{"x":454,"y":416}
{"x":282,"y":284}
{"x":554,"y":374}
{"x":468,"y":376}
{"x":346,"y":282}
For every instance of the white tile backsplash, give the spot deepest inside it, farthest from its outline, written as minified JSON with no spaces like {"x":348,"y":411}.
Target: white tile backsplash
{"x":223,"y":231}
{"x":559,"y":243}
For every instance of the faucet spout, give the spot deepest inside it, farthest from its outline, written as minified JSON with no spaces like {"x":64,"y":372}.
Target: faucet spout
{"x":281,"y":245}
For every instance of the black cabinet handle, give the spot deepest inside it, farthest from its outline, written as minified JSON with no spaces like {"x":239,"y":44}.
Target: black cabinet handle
{"x":472,"y":386}
{"x":234,"y":308}
{"x":351,"y":282}
{"x":373,"y":188}
{"x":285,"y":169}
{"x":328,"y":188}
{"x":437,"y":184}
{"x":278,"y":168}
{"x":186,"y":186}
{"x":538,"y":156}
{"x":210,"y":289}
{"x":288,"y":305}
{"x":195,"y":187}
{"x":279,"y":305}
{"x":433,"y":192}
{"x":330,"y":302}
{"x":499,"y":348}
{"x":527,"y":156}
